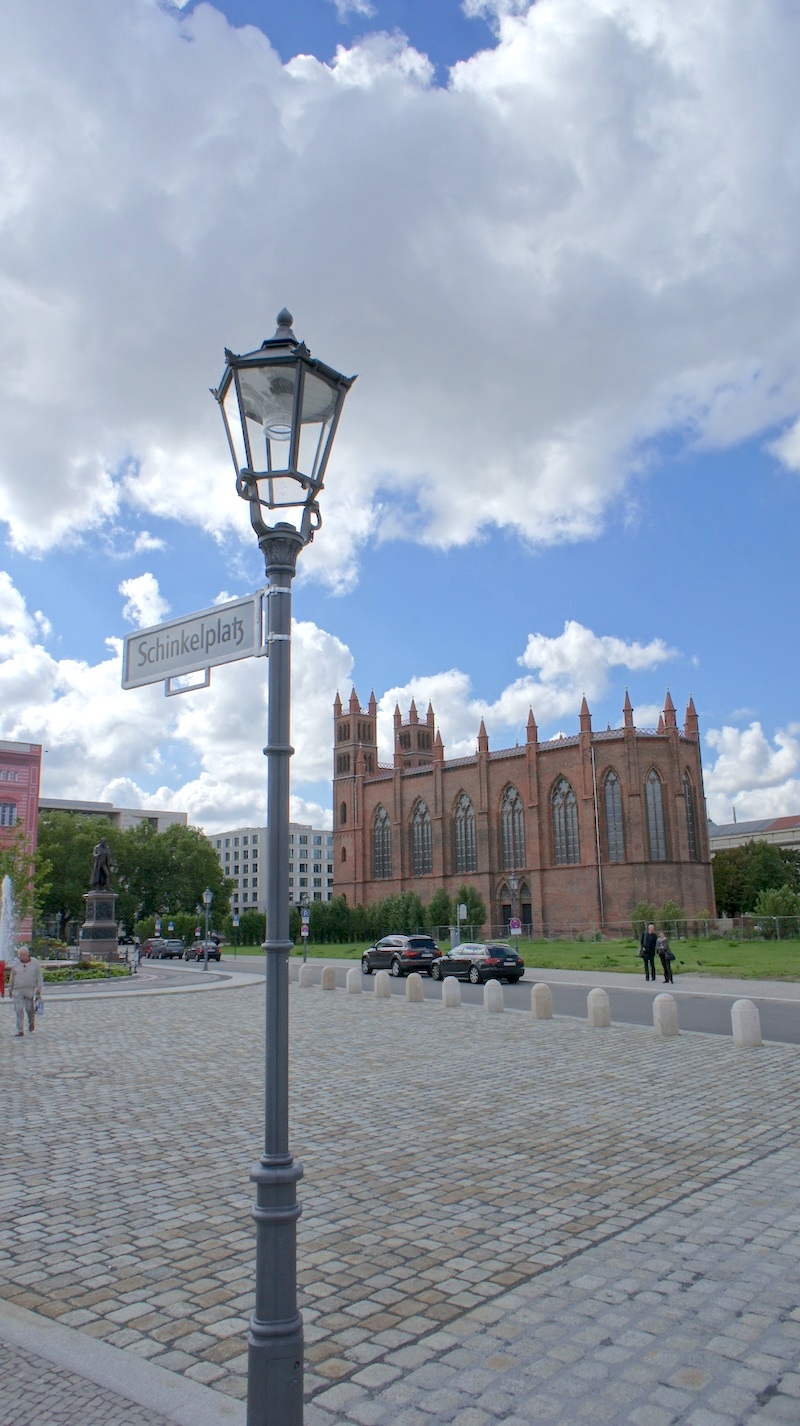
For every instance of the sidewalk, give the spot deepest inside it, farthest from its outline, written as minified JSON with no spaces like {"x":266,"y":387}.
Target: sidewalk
{"x":504,"y":1220}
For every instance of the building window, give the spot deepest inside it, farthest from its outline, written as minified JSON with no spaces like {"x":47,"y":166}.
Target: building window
{"x":381,"y":845}
{"x":656,"y":830}
{"x":512,"y":829}
{"x":343,"y":857}
{"x":614,"y":836}
{"x":691,"y":821}
{"x":8,"y":814}
{"x":303,"y":840}
{"x":466,"y":854}
{"x":421,"y":848}
{"x":343,"y":813}
{"x":566,"y":843}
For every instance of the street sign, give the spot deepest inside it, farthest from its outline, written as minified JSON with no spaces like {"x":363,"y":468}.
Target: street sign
{"x":305,"y":914}
{"x":304,"y":930}
{"x":195,"y":643}
{"x":515,"y":926}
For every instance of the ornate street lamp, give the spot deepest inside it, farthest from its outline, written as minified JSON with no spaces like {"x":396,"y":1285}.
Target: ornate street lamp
{"x":281,"y":408}
{"x":208,"y":897}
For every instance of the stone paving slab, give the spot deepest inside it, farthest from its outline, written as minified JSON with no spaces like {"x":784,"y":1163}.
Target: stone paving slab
{"x":455,"y":1163}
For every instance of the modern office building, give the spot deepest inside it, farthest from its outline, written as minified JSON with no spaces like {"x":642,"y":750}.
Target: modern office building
{"x":242,"y":856}
{"x":122,"y":817}
{"x":574,"y":831}
{"x":20,"y":772}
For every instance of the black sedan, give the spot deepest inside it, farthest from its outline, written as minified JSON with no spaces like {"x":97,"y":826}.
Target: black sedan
{"x":197,"y":951}
{"x":478,"y":963}
{"x":401,"y":954}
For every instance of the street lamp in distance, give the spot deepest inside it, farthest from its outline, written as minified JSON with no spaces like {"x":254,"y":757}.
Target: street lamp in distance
{"x":281,"y":408}
{"x":208,"y":897}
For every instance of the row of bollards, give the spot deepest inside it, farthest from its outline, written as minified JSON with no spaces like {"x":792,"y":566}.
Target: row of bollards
{"x":745,"y":1021}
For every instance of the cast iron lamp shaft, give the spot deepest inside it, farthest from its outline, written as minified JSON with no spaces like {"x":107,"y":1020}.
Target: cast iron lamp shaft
{"x":275,"y":1339}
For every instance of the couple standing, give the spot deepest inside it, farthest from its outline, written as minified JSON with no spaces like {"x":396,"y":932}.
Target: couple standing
{"x":653,"y":945}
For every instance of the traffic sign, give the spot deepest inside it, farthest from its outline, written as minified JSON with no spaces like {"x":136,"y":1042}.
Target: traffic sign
{"x":515,"y":926}
{"x":304,"y":930}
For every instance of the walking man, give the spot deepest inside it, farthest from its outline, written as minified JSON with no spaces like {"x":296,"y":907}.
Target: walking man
{"x":26,"y":984}
{"x":647,"y":952}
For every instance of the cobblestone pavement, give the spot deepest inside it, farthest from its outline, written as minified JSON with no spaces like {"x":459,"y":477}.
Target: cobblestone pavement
{"x":504,"y":1220}
{"x":49,"y":1396}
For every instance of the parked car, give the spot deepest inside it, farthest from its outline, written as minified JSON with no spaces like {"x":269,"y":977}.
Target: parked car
{"x":196,"y":952}
{"x":401,"y":954}
{"x":169,"y":950}
{"x":152,"y":946}
{"x":478,"y":963}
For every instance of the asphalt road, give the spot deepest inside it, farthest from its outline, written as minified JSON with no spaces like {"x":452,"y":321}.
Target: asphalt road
{"x":709,"y":1012}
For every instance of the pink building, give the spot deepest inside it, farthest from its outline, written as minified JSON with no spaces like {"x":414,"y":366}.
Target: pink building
{"x":20,"y":773}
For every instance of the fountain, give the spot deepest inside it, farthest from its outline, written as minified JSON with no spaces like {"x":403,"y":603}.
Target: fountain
{"x":8,"y":949}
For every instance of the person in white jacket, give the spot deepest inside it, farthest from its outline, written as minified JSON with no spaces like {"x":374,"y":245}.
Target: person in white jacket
{"x":26,"y":984}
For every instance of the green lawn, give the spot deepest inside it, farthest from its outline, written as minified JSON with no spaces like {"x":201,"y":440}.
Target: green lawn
{"x":754,"y":960}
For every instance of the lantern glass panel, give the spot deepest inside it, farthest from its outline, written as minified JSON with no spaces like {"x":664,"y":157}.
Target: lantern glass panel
{"x":233,"y":425}
{"x":268,"y":407}
{"x":278,"y":491}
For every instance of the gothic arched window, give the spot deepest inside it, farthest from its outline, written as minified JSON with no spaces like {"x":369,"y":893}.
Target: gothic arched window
{"x":381,"y":845}
{"x":466,"y":855}
{"x":656,"y":830}
{"x":566,"y":843}
{"x":421,"y":853}
{"x":614,"y":835}
{"x":512,"y":829}
{"x":691,"y":820}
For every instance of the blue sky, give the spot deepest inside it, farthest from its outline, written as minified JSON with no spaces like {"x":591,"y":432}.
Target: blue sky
{"x":557,"y":243}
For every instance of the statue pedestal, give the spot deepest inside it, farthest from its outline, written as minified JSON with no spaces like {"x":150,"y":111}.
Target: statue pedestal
{"x":98,"y":934}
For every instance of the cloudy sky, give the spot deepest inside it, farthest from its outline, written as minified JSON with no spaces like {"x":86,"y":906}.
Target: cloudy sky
{"x":558,"y":242}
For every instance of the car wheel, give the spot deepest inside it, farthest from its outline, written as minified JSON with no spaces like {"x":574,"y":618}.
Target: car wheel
{"x":435,"y":971}
{"x":514,"y":979}
{"x":474,"y":975}
{"x":396,"y":967}
{"x":365,"y":966}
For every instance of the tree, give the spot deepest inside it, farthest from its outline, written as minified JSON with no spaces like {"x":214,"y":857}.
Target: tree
{"x":440,"y":910}
{"x":778,"y":909}
{"x":741,"y":873}
{"x":65,"y":844}
{"x":17,"y":863}
{"x":475,"y":904}
{"x":169,"y":870}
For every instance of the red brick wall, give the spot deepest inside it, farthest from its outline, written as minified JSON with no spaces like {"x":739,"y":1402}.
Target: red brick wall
{"x":20,"y":772}
{"x":559,"y":896}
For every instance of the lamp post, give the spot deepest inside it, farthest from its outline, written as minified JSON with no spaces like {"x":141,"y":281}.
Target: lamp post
{"x":208,"y":897}
{"x":281,"y":408}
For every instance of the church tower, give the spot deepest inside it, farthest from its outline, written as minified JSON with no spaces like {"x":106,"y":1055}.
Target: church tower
{"x":413,"y":741}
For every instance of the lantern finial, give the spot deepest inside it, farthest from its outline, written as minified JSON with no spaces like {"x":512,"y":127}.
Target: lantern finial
{"x":284,"y":332}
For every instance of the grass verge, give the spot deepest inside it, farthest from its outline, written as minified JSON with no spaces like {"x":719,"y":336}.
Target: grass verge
{"x":745,"y":960}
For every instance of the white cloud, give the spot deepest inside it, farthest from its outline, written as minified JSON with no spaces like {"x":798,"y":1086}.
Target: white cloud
{"x":563,"y":669}
{"x":346,"y":8}
{"x":757,"y":775}
{"x":145,"y":603}
{"x":200,"y":753}
{"x":589,"y":238}
{"x":145,"y":542}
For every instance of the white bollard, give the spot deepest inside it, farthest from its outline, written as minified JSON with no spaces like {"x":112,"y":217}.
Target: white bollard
{"x":746,"y":1025}
{"x":598,"y":1010}
{"x":328,"y":977}
{"x":451,"y":993}
{"x":354,"y":980}
{"x":541,"y":1002}
{"x":383,"y":985}
{"x":493,"y":997}
{"x":306,"y":976}
{"x":665,"y":1016}
{"x":414,"y":992}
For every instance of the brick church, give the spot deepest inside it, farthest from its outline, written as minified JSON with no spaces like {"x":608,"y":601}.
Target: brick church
{"x":571,"y":832}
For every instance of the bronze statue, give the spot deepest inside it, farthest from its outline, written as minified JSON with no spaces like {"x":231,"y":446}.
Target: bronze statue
{"x":101,"y":866}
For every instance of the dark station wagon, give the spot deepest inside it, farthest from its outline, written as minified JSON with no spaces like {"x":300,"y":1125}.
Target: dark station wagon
{"x":477,"y":963}
{"x":401,"y":954}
